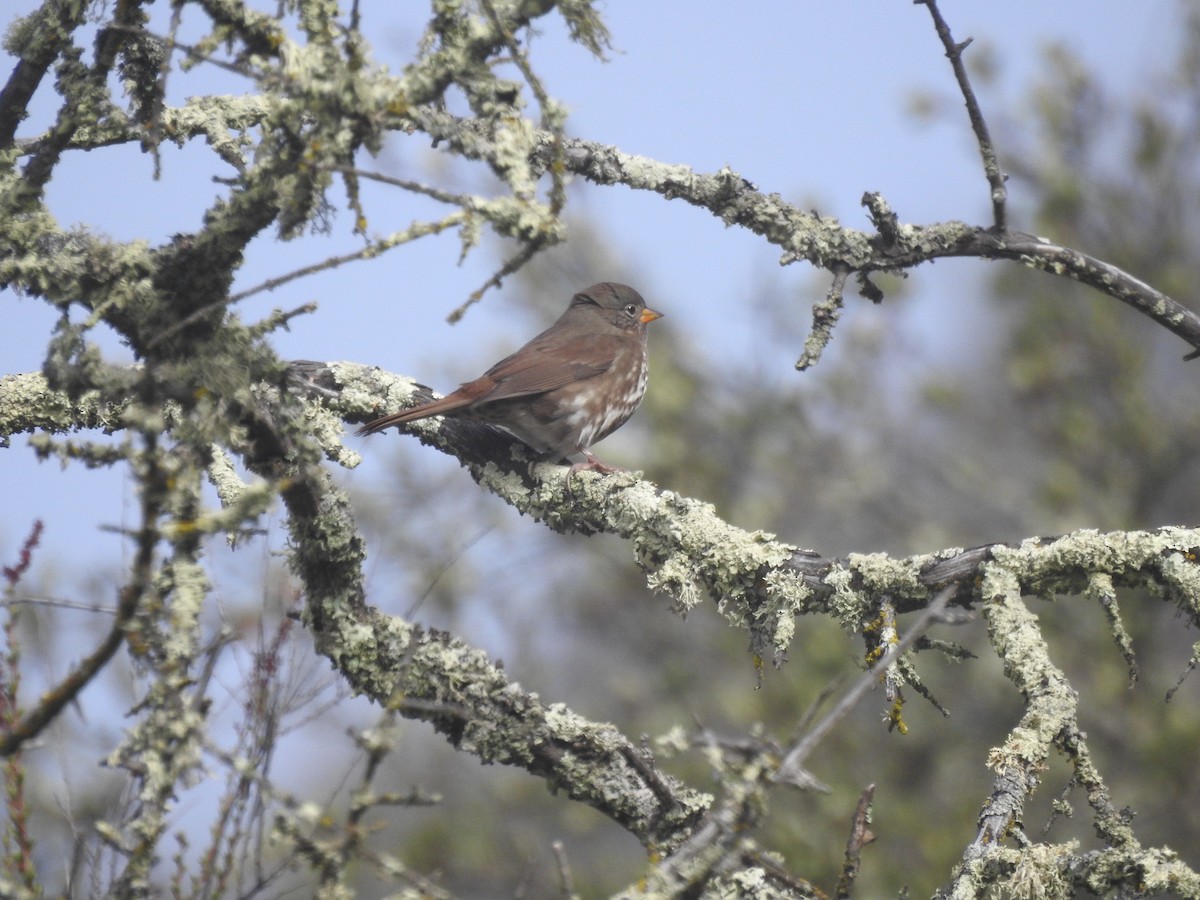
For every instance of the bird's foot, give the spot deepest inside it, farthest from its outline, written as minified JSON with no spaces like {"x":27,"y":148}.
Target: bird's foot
{"x":593,"y":464}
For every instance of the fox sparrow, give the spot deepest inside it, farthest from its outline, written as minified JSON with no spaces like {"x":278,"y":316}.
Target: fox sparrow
{"x":574,"y":384}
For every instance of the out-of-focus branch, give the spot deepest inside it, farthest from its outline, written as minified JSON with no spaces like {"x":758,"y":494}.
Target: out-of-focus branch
{"x":791,"y":768}
{"x":54,"y":699}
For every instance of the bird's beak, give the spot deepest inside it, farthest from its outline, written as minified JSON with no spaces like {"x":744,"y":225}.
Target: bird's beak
{"x":649,"y":315}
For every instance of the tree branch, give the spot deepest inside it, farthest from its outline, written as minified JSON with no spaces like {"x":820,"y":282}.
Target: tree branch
{"x":688,"y":552}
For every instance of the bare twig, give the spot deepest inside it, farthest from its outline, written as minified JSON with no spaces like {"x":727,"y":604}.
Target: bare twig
{"x":375,"y":248}
{"x":54,"y":700}
{"x":1192,"y":663}
{"x":991,"y":165}
{"x":566,"y":882}
{"x":446,"y":565}
{"x":552,"y":122}
{"x":56,"y":603}
{"x":511,"y":265}
{"x":16,"y":842}
{"x":453,"y":198}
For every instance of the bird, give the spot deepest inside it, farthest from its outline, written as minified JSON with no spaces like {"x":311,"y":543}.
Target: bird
{"x":570,"y":387}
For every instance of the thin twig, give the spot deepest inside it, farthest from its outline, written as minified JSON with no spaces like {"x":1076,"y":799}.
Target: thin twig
{"x":515,"y":262}
{"x":564,"y":870}
{"x":551,"y":122}
{"x":56,"y":603}
{"x":414,"y":232}
{"x":462,"y":200}
{"x":445,"y":567}
{"x":991,"y":165}
{"x":54,"y":700}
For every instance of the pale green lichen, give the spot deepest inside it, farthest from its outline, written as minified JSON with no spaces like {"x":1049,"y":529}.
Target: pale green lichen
{"x":1024,"y":748}
{"x":569,"y":726}
{"x":749,"y":881}
{"x":788,"y":595}
{"x":673,"y":743}
{"x":27,"y":401}
{"x":330,"y":429}
{"x":675,"y":576}
{"x":1039,"y":873}
{"x":224,"y":477}
{"x":846,"y":603}
{"x":1182,"y":573}
{"x":190,"y":587}
{"x":879,"y":572}
{"x":381,"y":391}
{"x":242,"y":503}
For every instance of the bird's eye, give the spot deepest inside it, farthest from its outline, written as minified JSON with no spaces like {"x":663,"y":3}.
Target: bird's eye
{"x":631,"y":310}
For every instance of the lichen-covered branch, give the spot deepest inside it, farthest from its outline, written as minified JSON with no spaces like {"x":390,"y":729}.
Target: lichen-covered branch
{"x":161,"y":749}
{"x":758,"y":582}
{"x":436,"y":677}
{"x":1050,"y":722}
{"x":828,"y":244}
{"x":373,"y":103}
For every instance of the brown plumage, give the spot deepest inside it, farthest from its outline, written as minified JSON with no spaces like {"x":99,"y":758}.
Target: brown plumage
{"x":573,"y":385}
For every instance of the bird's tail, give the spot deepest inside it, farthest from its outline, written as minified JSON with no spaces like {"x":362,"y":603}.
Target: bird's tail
{"x":440,"y":407}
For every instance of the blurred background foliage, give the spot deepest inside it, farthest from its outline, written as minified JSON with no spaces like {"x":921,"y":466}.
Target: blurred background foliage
{"x":1050,"y":408}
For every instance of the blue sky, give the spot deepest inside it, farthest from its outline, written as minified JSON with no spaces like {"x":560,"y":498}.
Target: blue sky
{"x":808,"y":100}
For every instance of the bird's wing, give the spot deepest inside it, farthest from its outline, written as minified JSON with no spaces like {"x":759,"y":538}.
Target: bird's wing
{"x":542,"y":366}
